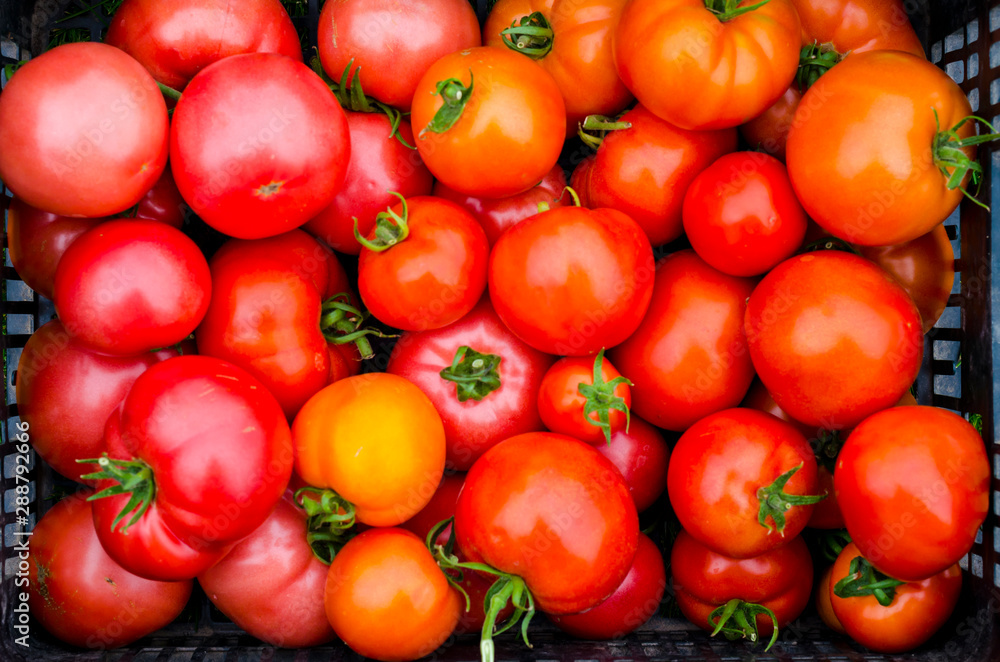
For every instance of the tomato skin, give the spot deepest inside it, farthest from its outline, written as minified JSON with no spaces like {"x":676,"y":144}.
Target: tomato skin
{"x":580,"y":179}
{"x":561,"y":405}
{"x":858,"y":26}
{"x":279,"y":160}
{"x":387,"y":598}
{"x":692,"y":334}
{"x":824,"y":606}
{"x":79,"y":594}
{"x":393,"y":43}
{"x":918,"y":610}
{"x":769,"y":130}
{"x":128,"y":286}
{"x":833,"y":338}
{"x":883,"y":480}
{"x":664,"y":49}
{"x":510,"y":133}
{"x":71,"y":144}
{"x":571,"y":280}
{"x":644,"y":171}
{"x":633,"y":603}
{"x":642,"y":455}
{"x":163,"y":202}
{"x":526,"y":497}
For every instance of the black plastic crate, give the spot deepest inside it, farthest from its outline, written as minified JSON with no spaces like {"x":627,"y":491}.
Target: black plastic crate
{"x":963,"y":38}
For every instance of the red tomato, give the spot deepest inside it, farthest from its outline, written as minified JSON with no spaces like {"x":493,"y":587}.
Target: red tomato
{"x":573,"y":403}
{"x":823,"y":604}
{"x":163,"y":202}
{"x":571,"y":280}
{"x":689,"y":357}
{"x":79,"y":594}
{"x":740,"y":63}
{"x":479,"y":406}
{"x":393,"y":43}
{"x":633,"y":603}
{"x":642,"y":455}
{"x":84,"y":130}
{"x":423,"y":265}
{"x":580,"y":180}
{"x":644,"y":171}
{"x":741,"y":215}
{"x":833,"y":338}
{"x":128,"y":286}
{"x":769,"y":130}
{"x":913,"y":483}
{"x":276,"y":163}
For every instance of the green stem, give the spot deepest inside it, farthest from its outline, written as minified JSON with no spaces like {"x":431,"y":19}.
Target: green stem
{"x":594,"y":129}
{"x":329,"y":521}
{"x":830,"y":542}
{"x":775,"y":502}
{"x":950,"y":156}
{"x":814,"y":61}
{"x":133,"y":477}
{"x":830,"y":244}
{"x":863,"y":579}
{"x":390,"y":228}
{"x":738,"y":620}
{"x":169,"y":92}
{"x":476,"y":375}
{"x":341,"y":323}
{"x":727,"y":10}
{"x":455,"y":96}
{"x":601,"y":398}
{"x":828,"y":449}
{"x":531,"y":36}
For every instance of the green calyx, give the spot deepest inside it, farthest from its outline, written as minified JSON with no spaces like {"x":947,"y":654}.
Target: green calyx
{"x":601,"y":398}
{"x":134,"y":477}
{"x":951,"y":159}
{"x":738,"y":620}
{"x":342,"y":323}
{"x":814,"y":61}
{"x":727,"y":10}
{"x":476,"y":375}
{"x":455,"y":96}
{"x":826,"y":452}
{"x":390,"y":228}
{"x":595,"y":128}
{"x":863,"y":580}
{"x":775,"y":502}
{"x":169,"y":92}
{"x":329,"y":521}
{"x":830,"y":542}
{"x":531,"y":35}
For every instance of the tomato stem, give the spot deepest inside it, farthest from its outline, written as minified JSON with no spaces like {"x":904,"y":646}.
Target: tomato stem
{"x":390,"y":228}
{"x":775,"y":502}
{"x":814,"y":61}
{"x":476,"y":375}
{"x":594,"y":129}
{"x":531,"y":36}
{"x":744,"y":615}
{"x":826,"y":452}
{"x":601,"y":398}
{"x":830,"y":244}
{"x":341,"y":323}
{"x":727,"y":10}
{"x":329,"y":521}
{"x":863,"y":579}
{"x":830,"y":543}
{"x":572,"y":193}
{"x":133,"y":477}
{"x":169,"y":92}
{"x":455,"y":96}
{"x":950,"y":157}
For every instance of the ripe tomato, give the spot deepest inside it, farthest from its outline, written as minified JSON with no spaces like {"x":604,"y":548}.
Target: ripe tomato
{"x":278,"y":160}
{"x":423,"y":265}
{"x":163,"y":202}
{"x":913,"y":483}
{"x":584,"y":398}
{"x":376,"y":441}
{"x":580,"y":180}
{"x":741,"y":215}
{"x":645,"y":170}
{"x":128,"y":286}
{"x":489,"y":122}
{"x":387,"y":598}
{"x":571,"y":280}
{"x":689,"y":357}
{"x":824,"y":606}
{"x":84,"y":130}
{"x":833,"y":338}
{"x":480,"y":405}
{"x":740,"y":61}
{"x":642,"y":455}
{"x":79,"y":594}
{"x":769,"y":130}
{"x":393,"y":43}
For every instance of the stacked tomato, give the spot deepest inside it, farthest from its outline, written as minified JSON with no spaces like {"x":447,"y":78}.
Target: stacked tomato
{"x":238,"y":419}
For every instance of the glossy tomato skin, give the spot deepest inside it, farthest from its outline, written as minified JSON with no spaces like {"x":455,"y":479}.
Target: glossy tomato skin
{"x":566,"y":491}
{"x":163,"y":202}
{"x":271,"y":584}
{"x":431,"y":278}
{"x":918,"y":610}
{"x":387,"y":598}
{"x":769,"y":130}
{"x":633,"y":603}
{"x":692,"y":335}
{"x":740,"y":66}
{"x":279,"y":160}
{"x":741,"y":215}
{"x":570,"y":281}
{"x":561,"y":404}
{"x":79,"y":594}
{"x":393,"y":43}
{"x":84,"y":130}
{"x":645,"y":170}
{"x":913,"y":484}
{"x":473,"y":426}
{"x":833,"y":338}
{"x":128,"y":286}
{"x":642,"y":456}
{"x":580,"y":179}
{"x":824,"y":606}
{"x":510,"y":132}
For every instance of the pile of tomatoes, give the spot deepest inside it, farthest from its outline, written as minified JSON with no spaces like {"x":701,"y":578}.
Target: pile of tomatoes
{"x":230,"y":419}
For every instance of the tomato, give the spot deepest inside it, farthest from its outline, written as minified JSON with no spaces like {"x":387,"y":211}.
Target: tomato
{"x":645,"y":170}
{"x":824,"y":606}
{"x":376,"y":441}
{"x":208,"y":451}
{"x":833,"y":338}
{"x":128,"y":286}
{"x":740,"y":60}
{"x":496,"y":125}
{"x":641,"y":454}
{"x":913,"y":483}
{"x":633,"y":603}
{"x":496,"y":215}
{"x":271,"y":585}
{"x":276,"y":163}
{"x":689,"y":357}
{"x":865,"y":149}
{"x":741,"y":215}
{"x":769,"y":130}
{"x":572,"y":402}
{"x":423,"y":265}
{"x":917,"y":611}
{"x":480,"y":406}
{"x":163,"y":202}
{"x":571,"y":281}
{"x":580,"y":180}
{"x":84,"y":130}
{"x":393,"y":43}
{"x":551,"y":510}
{"x":574,"y":46}
{"x":176,"y":40}
{"x":387,"y":598}
{"x":79,"y":594}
